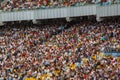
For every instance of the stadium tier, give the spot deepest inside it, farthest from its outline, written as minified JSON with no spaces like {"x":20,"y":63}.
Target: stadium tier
{"x":59,"y":50}
{"x":17,"y":10}
{"x":64,"y":12}
{"x":60,"y":40}
{"x":9,"y":5}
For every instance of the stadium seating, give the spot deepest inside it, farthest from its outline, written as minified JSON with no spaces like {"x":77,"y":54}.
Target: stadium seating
{"x":59,"y":51}
{"x":13,"y":5}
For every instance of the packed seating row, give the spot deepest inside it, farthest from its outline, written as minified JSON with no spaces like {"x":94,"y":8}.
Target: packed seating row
{"x":13,"y":5}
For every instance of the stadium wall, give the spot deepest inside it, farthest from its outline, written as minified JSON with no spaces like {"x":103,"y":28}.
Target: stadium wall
{"x":87,"y":10}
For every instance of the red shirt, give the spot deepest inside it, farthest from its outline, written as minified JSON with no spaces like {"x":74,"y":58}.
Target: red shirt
{"x":103,"y":0}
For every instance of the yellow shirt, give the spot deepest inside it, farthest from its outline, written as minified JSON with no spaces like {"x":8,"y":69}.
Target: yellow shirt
{"x":56,"y":72}
{"x":85,"y":60}
{"x":73,"y":66}
{"x":118,"y":47}
{"x":94,"y":57}
{"x":101,"y":55}
{"x":31,"y":78}
{"x":51,"y":3}
{"x":43,"y":77}
{"x":49,"y":75}
{"x":114,"y":40}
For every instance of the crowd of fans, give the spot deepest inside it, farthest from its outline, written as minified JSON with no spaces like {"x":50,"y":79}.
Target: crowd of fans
{"x":59,"y":52}
{"x":9,"y":5}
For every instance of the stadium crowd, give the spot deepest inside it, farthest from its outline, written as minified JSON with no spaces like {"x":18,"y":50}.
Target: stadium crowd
{"x":9,"y":5}
{"x":54,"y":52}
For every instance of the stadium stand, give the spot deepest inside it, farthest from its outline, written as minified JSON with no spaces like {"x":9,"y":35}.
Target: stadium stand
{"x":37,"y":43}
{"x":13,"y":5}
{"x":60,"y":51}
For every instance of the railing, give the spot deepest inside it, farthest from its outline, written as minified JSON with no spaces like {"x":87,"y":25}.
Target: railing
{"x":49,"y":13}
{"x":62,"y":12}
